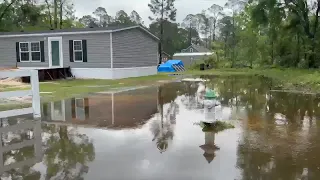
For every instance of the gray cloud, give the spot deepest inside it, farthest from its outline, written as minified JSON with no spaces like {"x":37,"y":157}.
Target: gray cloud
{"x":184,"y":7}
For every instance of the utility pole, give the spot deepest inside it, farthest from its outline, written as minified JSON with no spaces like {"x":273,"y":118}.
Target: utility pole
{"x":190,"y":35}
{"x":161,"y":31}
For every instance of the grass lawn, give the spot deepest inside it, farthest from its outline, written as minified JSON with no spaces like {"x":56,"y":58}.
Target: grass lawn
{"x":290,"y":79}
{"x":62,"y":89}
{"x":68,"y":88}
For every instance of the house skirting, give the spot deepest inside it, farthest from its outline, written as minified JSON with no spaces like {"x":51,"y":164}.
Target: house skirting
{"x":115,"y":73}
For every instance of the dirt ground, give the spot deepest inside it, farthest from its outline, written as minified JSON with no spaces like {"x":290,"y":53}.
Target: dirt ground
{"x":13,"y":82}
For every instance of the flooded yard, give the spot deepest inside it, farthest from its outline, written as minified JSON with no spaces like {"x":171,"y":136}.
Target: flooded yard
{"x":153,"y":133}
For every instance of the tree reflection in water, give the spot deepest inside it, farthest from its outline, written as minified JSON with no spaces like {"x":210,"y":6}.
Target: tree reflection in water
{"x":24,"y":153}
{"x":280,"y":138}
{"x":67,"y":152}
{"x":163,"y":127}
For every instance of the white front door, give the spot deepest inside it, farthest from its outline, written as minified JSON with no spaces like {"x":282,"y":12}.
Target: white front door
{"x":55,"y":52}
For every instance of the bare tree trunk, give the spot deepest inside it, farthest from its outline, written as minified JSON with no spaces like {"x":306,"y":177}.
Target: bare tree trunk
{"x":210,"y":35}
{"x":214,"y":31}
{"x":272,"y":51}
{"x":225,"y":46}
{"x":55,"y":2}
{"x":298,"y":50}
{"x":61,"y":14}
{"x":206,"y":34}
{"x":161,"y":31}
{"x":49,"y":11}
{"x":233,"y":41}
{"x":190,"y":34}
{"x":312,"y":61}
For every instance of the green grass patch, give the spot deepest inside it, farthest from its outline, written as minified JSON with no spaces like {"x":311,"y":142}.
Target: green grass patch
{"x":217,"y":126}
{"x":6,"y":107}
{"x":290,"y":79}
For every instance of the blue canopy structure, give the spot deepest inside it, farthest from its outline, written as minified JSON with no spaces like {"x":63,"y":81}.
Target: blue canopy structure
{"x":168,"y":66}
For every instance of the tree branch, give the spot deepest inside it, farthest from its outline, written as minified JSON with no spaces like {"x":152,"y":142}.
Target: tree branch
{"x":6,"y":9}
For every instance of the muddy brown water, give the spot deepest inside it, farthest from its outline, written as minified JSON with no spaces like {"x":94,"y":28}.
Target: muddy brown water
{"x":151,"y":133}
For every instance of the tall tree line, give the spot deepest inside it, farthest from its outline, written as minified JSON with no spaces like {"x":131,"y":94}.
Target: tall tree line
{"x":269,"y":33}
{"x":241,"y":33}
{"x":28,"y":15}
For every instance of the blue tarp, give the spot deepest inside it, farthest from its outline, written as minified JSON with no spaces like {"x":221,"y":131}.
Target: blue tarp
{"x":175,"y":62}
{"x":167,"y":67}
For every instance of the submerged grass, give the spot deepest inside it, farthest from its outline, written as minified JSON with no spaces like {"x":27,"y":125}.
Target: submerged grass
{"x":217,"y":126}
{"x":290,"y":79}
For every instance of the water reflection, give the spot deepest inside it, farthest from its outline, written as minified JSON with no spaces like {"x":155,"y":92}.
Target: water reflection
{"x":209,"y":147}
{"x":129,"y":109}
{"x":150,"y":134}
{"x":20,"y":148}
{"x":67,"y":152}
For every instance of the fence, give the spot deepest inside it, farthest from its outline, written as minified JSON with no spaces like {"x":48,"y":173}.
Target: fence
{"x":34,"y":92}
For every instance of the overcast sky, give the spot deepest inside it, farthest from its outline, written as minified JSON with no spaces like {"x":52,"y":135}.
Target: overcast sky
{"x":184,"y":7}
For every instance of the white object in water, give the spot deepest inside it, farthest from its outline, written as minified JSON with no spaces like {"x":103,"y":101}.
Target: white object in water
{"x":201,"y":88}
{"x":194,"y":80}
{"x":210,"y":103}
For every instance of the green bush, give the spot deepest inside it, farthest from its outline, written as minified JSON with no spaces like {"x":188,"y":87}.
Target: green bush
{"x":195,"y":65}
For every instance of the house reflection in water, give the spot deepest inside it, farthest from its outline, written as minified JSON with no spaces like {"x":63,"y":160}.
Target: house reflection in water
{"x":126,"y":109}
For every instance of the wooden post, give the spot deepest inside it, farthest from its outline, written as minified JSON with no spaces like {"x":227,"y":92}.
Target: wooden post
{"x":38,"y":141}
{"x":112,"y":99}
{"x":34,"y":79}
{"x":1,"y":148}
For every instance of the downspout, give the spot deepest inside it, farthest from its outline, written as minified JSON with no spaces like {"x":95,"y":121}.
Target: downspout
{"x":111,"y":55}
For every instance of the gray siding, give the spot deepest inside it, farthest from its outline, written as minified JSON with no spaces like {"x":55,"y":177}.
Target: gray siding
{"x":98,"y":48}
{"x":134,"y":48}
{"x":8,"y":52}
{"x":189,"y":60}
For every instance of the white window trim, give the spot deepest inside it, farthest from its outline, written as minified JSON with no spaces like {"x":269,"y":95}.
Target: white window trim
{"x":191,"y":49}
{"x":24,"y":51}
{"x":29,"y":51}
{"x":35,"y":51}
{"x":74,"y":51}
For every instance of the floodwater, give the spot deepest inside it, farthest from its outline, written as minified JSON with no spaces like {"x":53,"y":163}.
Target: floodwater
{"x":152,"y":133}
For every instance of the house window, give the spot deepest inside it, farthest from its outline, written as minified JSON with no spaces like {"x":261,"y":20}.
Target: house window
{"x":24,"y":52}
{"x":30,"y":51}
{"x":78,"y":51}
{"x":191,"y":49}
{"x":35,"y":51}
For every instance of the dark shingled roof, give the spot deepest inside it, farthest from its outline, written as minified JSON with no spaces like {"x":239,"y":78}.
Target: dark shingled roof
{"x":66,"y":30}
{"x":110,"y":28}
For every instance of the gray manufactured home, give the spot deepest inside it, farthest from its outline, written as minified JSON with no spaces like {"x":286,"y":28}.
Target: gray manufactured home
{"x":192,"y":54}
{"x":99,"y":53}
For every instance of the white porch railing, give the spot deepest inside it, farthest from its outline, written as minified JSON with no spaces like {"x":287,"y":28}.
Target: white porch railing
{"x":34,"y":92}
